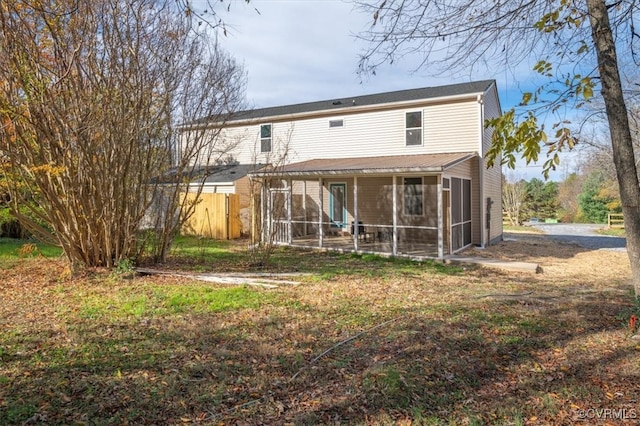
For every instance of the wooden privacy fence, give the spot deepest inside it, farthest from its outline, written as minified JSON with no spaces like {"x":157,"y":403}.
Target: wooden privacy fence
{"x":616,"y":220}
{"x":215,"y":216}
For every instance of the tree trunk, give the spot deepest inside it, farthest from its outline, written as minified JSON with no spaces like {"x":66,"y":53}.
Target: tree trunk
{"x":622,"y":144}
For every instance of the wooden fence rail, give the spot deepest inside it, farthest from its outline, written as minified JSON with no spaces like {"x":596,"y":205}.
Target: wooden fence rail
{"x":616,"y":220}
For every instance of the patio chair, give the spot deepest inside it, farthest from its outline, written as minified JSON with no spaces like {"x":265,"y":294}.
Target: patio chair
{"x":363,"y":234}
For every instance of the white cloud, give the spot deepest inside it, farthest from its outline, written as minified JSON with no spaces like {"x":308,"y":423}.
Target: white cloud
{"x":305,"y":50}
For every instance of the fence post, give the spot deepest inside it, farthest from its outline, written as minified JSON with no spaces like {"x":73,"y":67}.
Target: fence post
{"x":615,"y":220}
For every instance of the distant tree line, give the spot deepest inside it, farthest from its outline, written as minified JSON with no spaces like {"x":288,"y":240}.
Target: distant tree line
{"x":581,"y":197}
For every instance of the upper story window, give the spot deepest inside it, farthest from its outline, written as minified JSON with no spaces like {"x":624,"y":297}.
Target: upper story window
{"x":414,"y":128}
{"x":265,"y":138}
{"x":336,"y":123}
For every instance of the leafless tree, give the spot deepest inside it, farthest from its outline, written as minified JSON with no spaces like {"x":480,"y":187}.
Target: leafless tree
{"x":596,"y":150}
{"x":92,"y":93}
{"x":568,"y":192}
{"x":513,"y":194}
{"x":270,"y":195}
{"x":576,"y":44}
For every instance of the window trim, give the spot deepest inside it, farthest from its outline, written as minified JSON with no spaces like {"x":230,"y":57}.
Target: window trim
{"x":405,"y":205}
{"x":263,"y":140}
{"x":408,"y":129}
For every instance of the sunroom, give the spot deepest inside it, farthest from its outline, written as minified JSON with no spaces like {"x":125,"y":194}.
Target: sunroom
{"x":415,"y":205}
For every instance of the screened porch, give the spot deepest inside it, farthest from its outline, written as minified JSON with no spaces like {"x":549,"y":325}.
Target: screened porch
{"x":415,"y":214}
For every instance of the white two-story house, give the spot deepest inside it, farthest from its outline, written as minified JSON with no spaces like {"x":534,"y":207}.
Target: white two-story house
{"x":399,"y":173}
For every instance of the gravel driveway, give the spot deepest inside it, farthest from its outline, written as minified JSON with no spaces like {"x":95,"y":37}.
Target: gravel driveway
{"x":583,"y":235}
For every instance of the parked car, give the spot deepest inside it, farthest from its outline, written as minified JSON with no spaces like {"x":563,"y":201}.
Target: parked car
{"x":532,"y":221}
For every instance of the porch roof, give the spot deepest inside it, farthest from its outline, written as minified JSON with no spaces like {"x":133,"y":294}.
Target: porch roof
{"x":420,"y":163}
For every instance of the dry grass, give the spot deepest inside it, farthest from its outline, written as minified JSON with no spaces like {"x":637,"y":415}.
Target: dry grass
{"x":456,"y":345}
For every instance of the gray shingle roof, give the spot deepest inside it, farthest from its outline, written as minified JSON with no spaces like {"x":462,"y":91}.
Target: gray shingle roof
{"x":359,"y":101}
{"x":231,"y":173}
{"x":223,"y":173}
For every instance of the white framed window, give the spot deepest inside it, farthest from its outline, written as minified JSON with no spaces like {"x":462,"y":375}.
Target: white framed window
{"x":413,"y":196}
{"x":265,"y":138}
{"x":413,"y":128}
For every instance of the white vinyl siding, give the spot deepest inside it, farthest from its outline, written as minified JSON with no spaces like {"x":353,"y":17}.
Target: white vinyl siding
{"x":452,"y":127}
{"x":462,"y":170}
{"x":492,"y":177}
{"x":476,"y":194}
{"x":445,"y":128}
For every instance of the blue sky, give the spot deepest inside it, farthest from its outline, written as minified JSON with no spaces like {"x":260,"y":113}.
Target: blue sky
{"x":306,"y":50}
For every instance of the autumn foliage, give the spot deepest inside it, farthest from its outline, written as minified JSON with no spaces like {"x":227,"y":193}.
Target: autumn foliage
{"x":92,"y":93}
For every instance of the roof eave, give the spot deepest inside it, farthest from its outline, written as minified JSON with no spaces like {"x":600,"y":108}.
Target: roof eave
{"x":458,"y":161}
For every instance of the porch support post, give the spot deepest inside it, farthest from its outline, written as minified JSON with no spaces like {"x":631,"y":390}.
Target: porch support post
{"x":394,"y":231}
{"x":440,"y":221}
{"x":320,"y":211}
{"x":355,"y":213}
{"x":304,"y":207}
{"x":289,"y":208}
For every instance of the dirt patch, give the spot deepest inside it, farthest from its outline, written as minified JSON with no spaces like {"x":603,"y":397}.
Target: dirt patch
{"x":568,"y":261}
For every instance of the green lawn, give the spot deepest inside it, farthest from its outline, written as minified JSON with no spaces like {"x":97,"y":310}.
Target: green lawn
{"x":12,"y":248}
{"x":361,"y":340}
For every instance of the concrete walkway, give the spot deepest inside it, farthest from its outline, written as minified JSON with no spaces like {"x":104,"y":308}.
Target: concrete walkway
{"x":266,"y":280}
